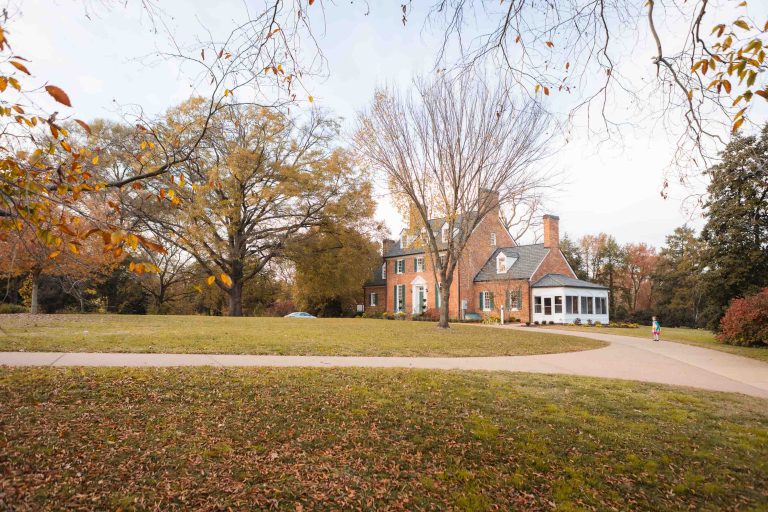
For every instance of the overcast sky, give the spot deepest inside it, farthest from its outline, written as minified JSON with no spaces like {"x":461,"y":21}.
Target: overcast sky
{"x":94,"y":53}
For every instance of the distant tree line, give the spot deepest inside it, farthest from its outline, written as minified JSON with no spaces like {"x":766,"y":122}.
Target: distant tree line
{"x":694,"y":277}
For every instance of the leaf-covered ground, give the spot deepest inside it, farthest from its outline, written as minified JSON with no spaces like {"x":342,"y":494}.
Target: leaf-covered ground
{"x":696,"y":337}
{"x":306,"y":439}
{"x":289,"y":336}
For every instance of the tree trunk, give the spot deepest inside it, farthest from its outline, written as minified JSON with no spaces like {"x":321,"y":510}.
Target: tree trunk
{"x":33,"y":307}
{"x":235,"y":296}
{"x":445,"y":294}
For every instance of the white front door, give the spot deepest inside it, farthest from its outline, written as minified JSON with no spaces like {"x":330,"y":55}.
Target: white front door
{"x":419,"y":299}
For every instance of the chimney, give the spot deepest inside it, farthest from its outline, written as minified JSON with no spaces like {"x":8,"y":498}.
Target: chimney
{"x":386,"y":246}
{"x":414,"y":218}
{"x":488,"y":200}
{"x":551,"y":231}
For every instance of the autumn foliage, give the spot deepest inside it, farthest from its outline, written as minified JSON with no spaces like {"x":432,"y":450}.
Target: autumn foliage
{"x":746,"y":321}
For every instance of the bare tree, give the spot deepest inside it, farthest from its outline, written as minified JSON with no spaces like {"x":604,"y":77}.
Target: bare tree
{"x":444,"y":148}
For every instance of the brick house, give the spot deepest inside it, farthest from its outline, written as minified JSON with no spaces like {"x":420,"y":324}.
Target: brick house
{"x":530,"y":282}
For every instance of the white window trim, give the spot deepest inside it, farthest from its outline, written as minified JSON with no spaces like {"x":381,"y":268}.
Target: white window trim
{"x":420,"y":264}
{"x":384,"y":270}
{"x":397,"y":266}
{"x":486,"y":305}
{"x":373,"y":299}
{"x":493,"y":239}
{"x":444,"y":233}
{"x":501,"y":259}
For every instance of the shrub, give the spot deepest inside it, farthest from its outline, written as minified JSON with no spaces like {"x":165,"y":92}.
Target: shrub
{"x":491,"y":319}
{"x":535,"y":322}
{"x":386,"y":315}
{"x":431,"y":315}
{"x":598,"y":324}
{"x":577,"y":321}
{"x":401,"y":315}
{"x":12,"y":309}
{"x":527,"y":324}
{"x":746,"y":321}
{"x":551,"y":322}
{"x":589,"y":322}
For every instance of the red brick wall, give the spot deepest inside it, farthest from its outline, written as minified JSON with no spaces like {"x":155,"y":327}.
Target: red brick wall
{"x":407,"y":278}
{"x":554,"y":263}
{"x":382,"y":299}
{"x":499,"y":290}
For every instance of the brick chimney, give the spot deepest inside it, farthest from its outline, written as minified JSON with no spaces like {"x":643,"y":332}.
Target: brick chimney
{"x":551,"y":231}
{"x":488,"y":199}
{"x":414,"y":218}
{"x":386,"y":246}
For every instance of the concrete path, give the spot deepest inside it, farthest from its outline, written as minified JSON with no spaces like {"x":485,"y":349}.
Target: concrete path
{"x":624,"y":358}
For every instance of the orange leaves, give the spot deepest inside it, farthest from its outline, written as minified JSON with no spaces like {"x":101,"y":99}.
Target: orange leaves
{"x":738,"y":120}
{"x":84,"y":126}
{"x":550,"y":44}
{"x":58,"y":94}
{"x":210,"y":280}
{"x":21,"y":67}
{"x":226,"y":279}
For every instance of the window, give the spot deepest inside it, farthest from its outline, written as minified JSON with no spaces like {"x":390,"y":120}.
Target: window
{"x":571,"y":305}
{"x":374,"y":300}
{"x":384,"y":270}
{"x":601,"y":306}
{"x":400,"y":266}
{"x":493,"y":239}
{"x":418,"y":264}
{"x":444,"y":234}
{"x":547,"y":305}
{"x":558,"y":304}
{"x":586,"y":306}
{"x":399,"y":298}
{"x":442,"y":260}
{"x":501,"y":263}
{"x":514,"y":299}
{"x":486,"y":301}
{"x":537,"y":304}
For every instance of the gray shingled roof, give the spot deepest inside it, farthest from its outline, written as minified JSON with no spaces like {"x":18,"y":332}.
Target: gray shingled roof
{"x":435,"y":224}
{"x":561,"y":281}
{"x":376,"y":279}
{"x":527,"y":260}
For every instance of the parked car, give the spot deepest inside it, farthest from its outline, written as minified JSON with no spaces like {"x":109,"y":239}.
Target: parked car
{"x":299,"y":314}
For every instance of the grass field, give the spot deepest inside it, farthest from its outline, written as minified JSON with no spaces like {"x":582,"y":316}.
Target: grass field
{"x":200,"y":334}
{"x":697,"y":337}
{"x":305,"y":439}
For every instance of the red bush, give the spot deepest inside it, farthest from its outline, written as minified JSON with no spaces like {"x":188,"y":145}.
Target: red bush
{"x":746,"y":321}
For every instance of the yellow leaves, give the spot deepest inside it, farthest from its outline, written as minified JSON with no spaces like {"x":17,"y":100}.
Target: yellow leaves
{"x":142,"y":267}
{"x":738,"y":120}
{"x":537,"y":88}
{"x":742,"y":24}
{"x":3,"y":83}
{"x":21,"y":67}
{"x":719,"y":29}
{"x":227,"y":92}
{"x":58,"y":94}
{"x":226,"y":279}
{"x":311,"y":99}
{"x":14,"y":83}
{"x":210,"y":280}
{"x":143,"y":145}
{"x":95,"y":160}
{"x":73,"y":248}
{"x":53,"y":255}
{"x":65,"y":145}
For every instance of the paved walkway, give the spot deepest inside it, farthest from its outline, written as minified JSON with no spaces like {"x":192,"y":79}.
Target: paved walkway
{"x":624,"y":358}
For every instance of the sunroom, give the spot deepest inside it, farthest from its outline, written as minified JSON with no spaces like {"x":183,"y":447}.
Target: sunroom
{"x":564,"y":300}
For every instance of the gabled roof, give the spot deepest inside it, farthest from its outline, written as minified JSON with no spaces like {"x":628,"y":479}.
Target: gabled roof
{"x":527,"y":259}
{"x":434,"y":224}
{"x":561,"y":281}
{"x":377,"y":279}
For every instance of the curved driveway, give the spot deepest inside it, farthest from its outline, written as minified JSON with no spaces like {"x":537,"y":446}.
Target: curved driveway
{"x":624,"y":358}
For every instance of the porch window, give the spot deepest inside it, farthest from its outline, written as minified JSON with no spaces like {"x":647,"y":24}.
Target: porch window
{"x":374,"y":299}
{"x":537,"y":304}
{"x":586,"y":306}
{"x":558,"y":304}
{"x":571,"y":304}
{"x":601,"y":306}
{"x":547,"y":305}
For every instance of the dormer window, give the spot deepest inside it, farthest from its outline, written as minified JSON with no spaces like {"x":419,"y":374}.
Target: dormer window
{"x":501,"y":263}
{"x":493,"y":239}
{"x":444,"y":234}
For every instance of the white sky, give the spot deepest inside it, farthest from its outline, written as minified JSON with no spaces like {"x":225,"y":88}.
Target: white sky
{"x":612,"y":187}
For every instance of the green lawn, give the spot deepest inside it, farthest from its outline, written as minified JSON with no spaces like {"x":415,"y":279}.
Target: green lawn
{"x":332,"y":336}
{"x":330,"y":439}
{"x":697,"y":337}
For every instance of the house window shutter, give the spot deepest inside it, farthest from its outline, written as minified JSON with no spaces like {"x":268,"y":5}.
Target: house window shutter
{"x":519,"y":298}
{"x":482,"y":306}
{"x":415,"y":264}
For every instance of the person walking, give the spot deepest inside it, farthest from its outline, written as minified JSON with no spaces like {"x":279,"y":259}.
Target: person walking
{"x":656,"y":329}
